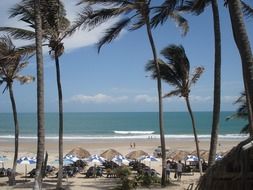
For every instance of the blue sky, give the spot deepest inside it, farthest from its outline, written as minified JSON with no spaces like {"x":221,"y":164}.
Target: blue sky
{"x":115,"y":79}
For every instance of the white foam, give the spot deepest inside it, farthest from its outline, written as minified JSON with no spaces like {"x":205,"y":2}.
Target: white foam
{"x":133,"y":132}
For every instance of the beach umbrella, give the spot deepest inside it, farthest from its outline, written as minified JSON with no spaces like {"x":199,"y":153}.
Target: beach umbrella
{"x":25,"y":160}
{"x":109,"y":154}
{"x":119,"y":159}
{"x":178,"y":154}
{"x":79,"y":152}
{"x":134,"y":155}
{"x":218,"y":157}
{"x":96,"y":159}
{"x":71,"y":157}
{"x":148,"y":159}
{"x":191,"y":158}
{"x":66,"y":162}
{"x":2,"y":160}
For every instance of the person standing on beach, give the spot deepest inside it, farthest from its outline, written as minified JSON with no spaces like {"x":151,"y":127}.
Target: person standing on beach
{"x":179,"y":170}
{"x":168,"y":169}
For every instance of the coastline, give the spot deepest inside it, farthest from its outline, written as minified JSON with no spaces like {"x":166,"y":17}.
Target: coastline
{"x":27,"y":147}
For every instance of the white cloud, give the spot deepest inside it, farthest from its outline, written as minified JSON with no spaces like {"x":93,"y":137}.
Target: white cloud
{"x":194,"y":98}
{"x":79,"y":39}
{"x":229,"y":99}
{"x":145,"y":98}
{"x":98,"y":98}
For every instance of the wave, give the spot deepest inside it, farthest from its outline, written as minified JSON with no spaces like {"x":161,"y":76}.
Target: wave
{"x":133,"y":132}
{"x":131,"y":136}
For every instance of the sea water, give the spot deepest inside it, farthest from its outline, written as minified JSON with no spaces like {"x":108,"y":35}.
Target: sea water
{"x":109,"y":125}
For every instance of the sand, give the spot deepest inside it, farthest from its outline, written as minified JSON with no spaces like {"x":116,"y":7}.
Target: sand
{"x":95,"y":146}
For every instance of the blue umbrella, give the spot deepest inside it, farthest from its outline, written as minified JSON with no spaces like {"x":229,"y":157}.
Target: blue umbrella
{"x":119,"y":159}
{"x":218,"y":157}
{"x":96,"y":159}
{"x":191,"y":158}
{"x":71,"y":157}
{"x":25,"y":160}
{"x":66,"y":161}
{"x":148,"y":159}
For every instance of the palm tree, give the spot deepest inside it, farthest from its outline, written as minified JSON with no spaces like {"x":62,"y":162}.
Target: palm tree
{"x":40,"y":96}
{"x":138,"y":13}
{"x":176,"y":72}
{"x":56,"y":27}
{"x":12,"y":61}
{"x":197,"y":7}
{"x":241,"y":112}
{"x":243,"y":45}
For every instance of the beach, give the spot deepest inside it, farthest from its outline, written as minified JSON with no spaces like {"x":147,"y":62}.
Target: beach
{"x":97,"y":146}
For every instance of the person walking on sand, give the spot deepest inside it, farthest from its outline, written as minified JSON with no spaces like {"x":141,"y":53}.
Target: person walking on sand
{"x":134,"y":144}
{"x":179,"y":170}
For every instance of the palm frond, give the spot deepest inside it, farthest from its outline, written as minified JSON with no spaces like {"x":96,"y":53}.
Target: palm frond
{"x":196,"y":75}
{"x":103,"y":2}
{"x":245,"y":129}
{"x":139,"y":23}
{"x":18,"y":33}
{"x":177,"y":57}
{"x":247,"y":10}
{"x":196,"y":6}
{"x":113,"y":32}
{"x":176,"y":92}
{"x":25,"y":79}
{"x":180,"y":21}
{"x":162,"y":12}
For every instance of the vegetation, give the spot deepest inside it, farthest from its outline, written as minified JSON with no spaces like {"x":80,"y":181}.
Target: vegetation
{"x":12,"y":61}
{"x":176,"y":72}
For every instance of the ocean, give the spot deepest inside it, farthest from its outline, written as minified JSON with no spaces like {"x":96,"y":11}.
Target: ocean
{"x":110,"y":125}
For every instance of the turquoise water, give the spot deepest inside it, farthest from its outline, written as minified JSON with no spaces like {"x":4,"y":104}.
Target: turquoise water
{"x":119,"y":125}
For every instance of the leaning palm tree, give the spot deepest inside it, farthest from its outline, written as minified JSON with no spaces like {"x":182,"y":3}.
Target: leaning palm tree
{"x":242,"y":42}
{"x":134,"y":14}
{"x":176,"y":72}
{"x":56,"y":27}
{"x":12,"y":61}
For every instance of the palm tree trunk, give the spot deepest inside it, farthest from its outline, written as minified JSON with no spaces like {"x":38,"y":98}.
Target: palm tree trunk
{"x":217,"y":84}
{"x":243,"y":45}
{"x":159,"y":90}
{"x":15,"y":118}
{"x":194,"y":132}
{"x":40,"y":97}
{"x":58,"y":76}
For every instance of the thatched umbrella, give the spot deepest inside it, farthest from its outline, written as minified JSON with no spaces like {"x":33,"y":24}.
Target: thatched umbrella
{"x":234,"y":171}
{"x":178,"y":154}
{"x":79,"y":152}
{"x":134,"y":155}
{"x":109,"y":154}
{"x":204,"y":154}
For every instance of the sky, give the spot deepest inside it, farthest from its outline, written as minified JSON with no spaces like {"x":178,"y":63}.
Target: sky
{"x":115,"y":80}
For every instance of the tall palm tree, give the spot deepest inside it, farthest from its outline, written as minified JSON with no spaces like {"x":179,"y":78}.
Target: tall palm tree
{"x":176,"y":72}
{"x":40,"y":96}
{"x":242,"y":42}
{"x":56,"y":27}
{"x":12,"y":61}
{"x":197,"y":7}
{"x":138,"y":12}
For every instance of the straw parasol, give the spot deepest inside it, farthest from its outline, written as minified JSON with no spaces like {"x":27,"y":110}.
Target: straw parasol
{"x":134,"y":155}
{"x":234,"y":171}
{"x":79,"y":152}
{"x":109,"y":154}
{"x":178,"y":154}
{"x":204,"y":154}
